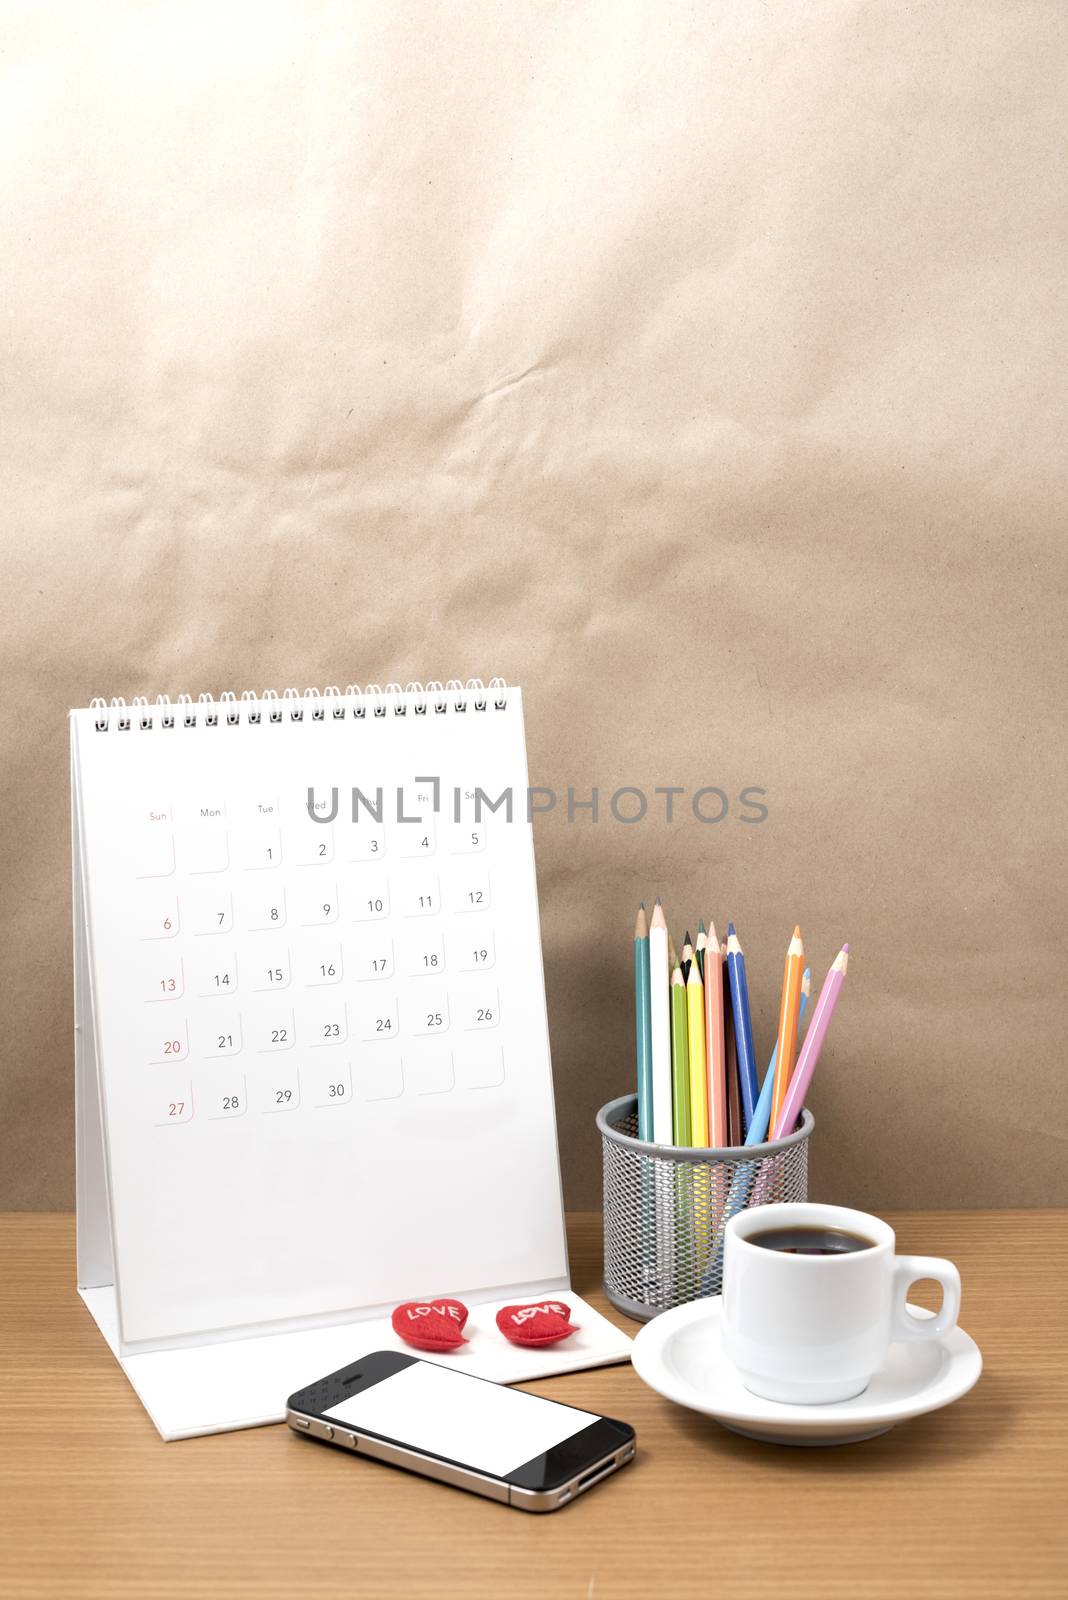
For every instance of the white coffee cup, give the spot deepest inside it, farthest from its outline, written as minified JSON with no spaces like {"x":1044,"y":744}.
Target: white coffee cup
{"x":809,"y":1329}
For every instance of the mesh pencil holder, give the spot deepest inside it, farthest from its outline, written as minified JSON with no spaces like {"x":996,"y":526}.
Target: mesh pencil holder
{"x":666,"y":1208}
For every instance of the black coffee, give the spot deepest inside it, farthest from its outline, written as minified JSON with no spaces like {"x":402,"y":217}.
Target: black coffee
{"x":798,"y":1241}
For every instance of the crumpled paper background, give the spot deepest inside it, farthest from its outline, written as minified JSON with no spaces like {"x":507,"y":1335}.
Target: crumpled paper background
{"x":698,"y":368}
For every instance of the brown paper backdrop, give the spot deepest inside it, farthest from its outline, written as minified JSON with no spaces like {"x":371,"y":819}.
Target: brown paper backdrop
{"x":698,"y":368}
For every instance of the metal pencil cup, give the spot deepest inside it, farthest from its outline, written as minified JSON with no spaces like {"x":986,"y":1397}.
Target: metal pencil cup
{"x":666,"y":1208}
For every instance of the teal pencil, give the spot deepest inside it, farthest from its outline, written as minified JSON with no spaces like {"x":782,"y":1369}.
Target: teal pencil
{"x":643,"y":1026}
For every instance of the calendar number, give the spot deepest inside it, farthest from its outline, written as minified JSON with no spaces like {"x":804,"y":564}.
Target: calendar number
{"x":167,"y":1047}
{"x":365,"y":894}
{"x":221,"y":1035}
{"x":377,"y":1018}
{"x":166,"y":985}
{"x":475,"y":954}
{"x":469,"y":891}
{"x":481,"y":1011}
{"x":275,"y":972}
{"x":331,"y":1086}
{"x":157,"y":918}
{"x":173,"y":1104}
{"x":425,"y":1009}
{"x":280,"y":1091}
{"x":414,"y":839}
{"x":227,"y":1100}
{"x":215,"y":972}
{"x":420,"y":899}
{"x":323,"y":1025}
{"x":273,"y":1031}
{"x":264,"y":910}
{"x":310,"y":843}
{"x":209,"y":911}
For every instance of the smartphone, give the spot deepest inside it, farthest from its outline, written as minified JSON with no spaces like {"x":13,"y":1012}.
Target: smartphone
{"x":510,"y":1446}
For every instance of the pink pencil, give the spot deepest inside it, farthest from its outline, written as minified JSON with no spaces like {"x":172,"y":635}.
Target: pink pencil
{"x":810,"y":1050}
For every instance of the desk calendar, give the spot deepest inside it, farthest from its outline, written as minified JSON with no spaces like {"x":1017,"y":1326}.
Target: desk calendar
{"x":312,"y":1059}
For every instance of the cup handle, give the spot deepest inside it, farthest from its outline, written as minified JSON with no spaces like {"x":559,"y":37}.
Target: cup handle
{"x":907,"y":1269}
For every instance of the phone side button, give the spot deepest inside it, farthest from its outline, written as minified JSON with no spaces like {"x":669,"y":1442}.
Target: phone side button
{"x":302,"y":1422}
{"x":328,"y":1432}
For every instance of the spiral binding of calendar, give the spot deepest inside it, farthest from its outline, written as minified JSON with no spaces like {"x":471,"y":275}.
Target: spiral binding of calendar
{"x":374,"y":700}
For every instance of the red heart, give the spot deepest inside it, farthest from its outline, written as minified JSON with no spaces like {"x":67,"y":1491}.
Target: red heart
{"x":431,"y":1324}
{"x":545,"y":1322}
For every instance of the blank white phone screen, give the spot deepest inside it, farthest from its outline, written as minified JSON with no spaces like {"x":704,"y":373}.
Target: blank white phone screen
{"x":482,"y":1425}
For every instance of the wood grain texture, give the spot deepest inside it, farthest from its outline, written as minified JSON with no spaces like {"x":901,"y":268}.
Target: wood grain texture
{"x":968,"y":1502}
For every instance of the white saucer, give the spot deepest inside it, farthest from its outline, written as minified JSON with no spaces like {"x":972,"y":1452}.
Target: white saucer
{"x":680,"y":1355}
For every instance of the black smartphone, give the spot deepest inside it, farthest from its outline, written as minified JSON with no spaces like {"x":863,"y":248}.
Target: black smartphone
{"x":502,"y":1443}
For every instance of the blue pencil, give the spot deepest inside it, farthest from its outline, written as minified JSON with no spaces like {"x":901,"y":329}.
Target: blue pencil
{"x":743,"y":1027}
{"x":643,"y":1027}
{"x":758,"y":1128}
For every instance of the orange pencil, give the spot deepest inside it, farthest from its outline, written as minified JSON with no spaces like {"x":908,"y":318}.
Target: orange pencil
{"x":786,"y":1050}
{"x":715,"y":1042}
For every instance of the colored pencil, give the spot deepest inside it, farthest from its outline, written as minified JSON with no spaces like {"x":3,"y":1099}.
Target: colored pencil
{"x":700,"y":947}
{"x":660,"y":1026}
{"x":715,"y":1046}
{"x":695,"y":1015}
{"x":643,"y":1026}
{"x":680,"y":1059}
{"x":743,"y":1026}
{"x":822,"y":1013}
{"x":730,"y":1058}
{"x":687,"y":957}
{"x":758,"y":1128}
{"x":789,"y":1008}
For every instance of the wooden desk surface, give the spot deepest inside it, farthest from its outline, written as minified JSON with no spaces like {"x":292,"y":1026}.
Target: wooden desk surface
{"x":967,"y":1502}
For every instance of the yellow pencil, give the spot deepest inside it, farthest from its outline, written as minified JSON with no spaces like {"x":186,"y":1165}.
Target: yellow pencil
{"x":680,"y":1062}
{"x":695,"y":1016}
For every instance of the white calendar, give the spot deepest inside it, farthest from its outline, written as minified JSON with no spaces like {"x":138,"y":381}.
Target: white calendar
{"x":312,"y":1057}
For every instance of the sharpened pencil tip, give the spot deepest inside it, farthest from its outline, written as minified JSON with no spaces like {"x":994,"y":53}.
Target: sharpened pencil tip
{"x":730,"y":929}
{"x":701,"y":926}
{"x":797,"y":931}
{"x":845,"y":949}
{"x":658,"y":899}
